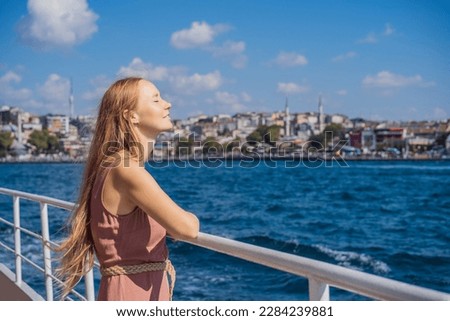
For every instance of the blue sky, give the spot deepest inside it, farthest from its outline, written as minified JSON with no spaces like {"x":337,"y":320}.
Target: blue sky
{"x":381,"y":60}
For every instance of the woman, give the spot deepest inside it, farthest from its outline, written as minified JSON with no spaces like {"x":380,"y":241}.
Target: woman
{"x":123,"y":215}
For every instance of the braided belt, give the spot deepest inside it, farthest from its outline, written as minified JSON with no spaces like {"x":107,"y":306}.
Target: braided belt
{"x":144,"y":267}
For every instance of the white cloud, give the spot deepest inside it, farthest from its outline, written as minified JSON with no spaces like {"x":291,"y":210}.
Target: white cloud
{"x":197,"y":82}
{"x":181,"y":88}
{"x":138,"y":68}
{"x":228,"y":101}
{"x":232,"y":51}
{"x":229,"y":48}
{"x":8,"y":91}
{"x":290,"y":59}
{"x":226,"y":98}
{"x":388,"y":30}
{"x":100,"y":84}
{"x":387,"y":79}
{"x":201,"y":35}
{"x":291,"y":88}
{"x":198,"y":35}
{"x":347,"y":55}
{"x":55,"y":91}
{"x":370,"y":38}
{"x":342,"y":92}
{"x":373,"y":37}
{"x":176,"y":77}
{"x":246,"y":97}
{"x":57,"y":23}
{"x":10,"y":76}
{"x":439,"y":113}
{"x":52,"y":96}
{"x":239,"y":61}
{"x":12,"y":94}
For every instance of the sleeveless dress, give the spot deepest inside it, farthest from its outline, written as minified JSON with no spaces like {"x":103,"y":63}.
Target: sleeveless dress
{"x":129,"y":239}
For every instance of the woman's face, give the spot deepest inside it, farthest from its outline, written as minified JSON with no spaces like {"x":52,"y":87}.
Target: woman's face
{"x":152,"y":110}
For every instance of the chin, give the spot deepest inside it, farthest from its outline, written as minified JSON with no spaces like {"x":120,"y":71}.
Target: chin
{"x":168,"y":127}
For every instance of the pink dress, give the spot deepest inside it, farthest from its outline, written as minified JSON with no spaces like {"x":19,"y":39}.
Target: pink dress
{"x":134,"y":238}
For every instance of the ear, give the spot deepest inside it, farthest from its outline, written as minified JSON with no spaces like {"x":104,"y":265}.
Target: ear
{"x":131,"y":116}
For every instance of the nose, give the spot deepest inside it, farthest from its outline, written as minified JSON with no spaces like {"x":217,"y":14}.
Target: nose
{"x":169,"y":105}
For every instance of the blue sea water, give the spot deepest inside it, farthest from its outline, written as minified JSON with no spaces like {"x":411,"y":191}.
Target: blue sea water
{"x":389,"y":218}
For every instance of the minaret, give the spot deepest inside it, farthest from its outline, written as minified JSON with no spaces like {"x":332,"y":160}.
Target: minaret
{"x":71,"y":107}
{"x":19,"y":127}
{"x":321,"y":116}
{"x":287,"y":120}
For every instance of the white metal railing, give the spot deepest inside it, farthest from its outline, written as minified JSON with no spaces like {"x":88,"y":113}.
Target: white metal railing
{"x":320,"y":275}
{"x":49,"y":278}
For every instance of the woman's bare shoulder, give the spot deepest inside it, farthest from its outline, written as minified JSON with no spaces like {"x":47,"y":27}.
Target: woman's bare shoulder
{"x":130,"y":173}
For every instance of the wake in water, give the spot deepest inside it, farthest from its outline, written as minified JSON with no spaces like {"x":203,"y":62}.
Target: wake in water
{"x":349,"y":259}
{"x":357,"y":261}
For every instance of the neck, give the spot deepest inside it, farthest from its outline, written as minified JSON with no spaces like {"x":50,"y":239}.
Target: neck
{"x":147,"y":144}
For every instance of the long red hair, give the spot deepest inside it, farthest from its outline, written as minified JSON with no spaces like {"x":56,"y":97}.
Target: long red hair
{"x":113,"y":133}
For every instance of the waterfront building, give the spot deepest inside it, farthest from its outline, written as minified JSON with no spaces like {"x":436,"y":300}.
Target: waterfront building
{"x":335,"y":119}
{"x":368,"y":140}
{"x":28,"y":128}
{"x":85,"y":126}
{"x":194,"y":119}
{"x":226,"y":125}
{"x":248,"y":120}
{"x":355,"y":138}
{"x":419,"y":144}
{"x":308,"y":117}
{"x":7,"y":115}
{"x":426,"y":129}
{"x":266,"y":119}
{"x":219,"y":117}
{"x":358,"y":123}
{"x":164,"y":145}
{"x":278,"y":119}
{"x":196,"y":130}
{"x":363,"y":139}
{"x":209,"y":129}
{"x":57,"y":124}
{"x":303,"y":131}
{"x":389,"y":137}
{"x":246,"y":123}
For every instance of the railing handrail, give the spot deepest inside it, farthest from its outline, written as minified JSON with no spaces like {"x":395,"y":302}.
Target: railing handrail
{"x":39,"y":198}
{"x":363,"y":283}
{"x":319,"y":274}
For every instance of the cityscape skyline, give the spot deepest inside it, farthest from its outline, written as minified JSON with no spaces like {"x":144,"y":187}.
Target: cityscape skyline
{"x":374,"y":60}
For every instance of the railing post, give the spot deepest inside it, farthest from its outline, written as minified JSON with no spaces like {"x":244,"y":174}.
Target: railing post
{"x":47,"y":253}
{"x":89,"y":285}
{"x":17,"y":242}
{"x":318,"y":291}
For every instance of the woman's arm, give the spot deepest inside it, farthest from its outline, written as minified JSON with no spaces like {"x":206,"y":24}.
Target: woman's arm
{"x":138,"y":186}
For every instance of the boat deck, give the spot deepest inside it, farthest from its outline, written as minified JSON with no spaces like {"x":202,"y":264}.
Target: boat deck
{"x":11,"y":291}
